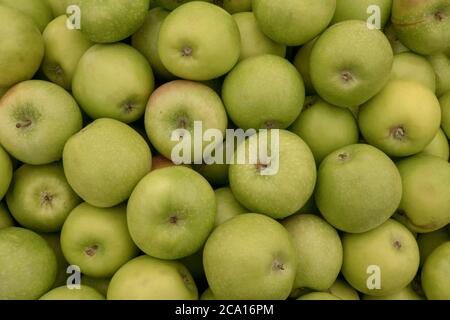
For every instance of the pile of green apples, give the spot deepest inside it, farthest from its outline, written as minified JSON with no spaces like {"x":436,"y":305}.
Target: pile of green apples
{"x":93,"y":207}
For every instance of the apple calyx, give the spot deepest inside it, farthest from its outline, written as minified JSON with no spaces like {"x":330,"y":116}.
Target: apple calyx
{"x":278,"y":266}
{"x":347,"y":76}
{"x":128,"y":107}
{"x":174,"y":220}
{"x":90,"y":251}
{"x":46,"y":198}
{"x":270,"y":124}
{"x":24,"y":124}
{"x":397,"y":244}
{"x":439,"y":16}
{"x":261,"y":166}
{"x":182,"y":123}
{"x":344,"y":156}
{"x":186,"y":52}
{"x":398,"y":133}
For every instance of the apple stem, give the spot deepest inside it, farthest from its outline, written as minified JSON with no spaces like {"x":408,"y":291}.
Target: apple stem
{"x":23,"y":124}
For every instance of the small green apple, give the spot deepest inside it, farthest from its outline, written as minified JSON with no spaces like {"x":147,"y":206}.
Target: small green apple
{"x":227,"y":205}
{"x":381,"y":261}
{"x":369,"y":187}
{"x":407,"y":293}
{"x":319,"y":296}
{"x":63,"y":49}
{"x":429,"y":241}
{"x":203,"y":50}
{"x":40,"y":198}
{"x":435,"y":276}
{"x":302,"y":63}
{"x":402,"y":119}
{"x":253,"y":41}
{"x":263,"y":91}
{"x":250,"y":256}
{"x":27,"y":263}
{"x":411,"y":66}
{"x":64,"y":293}
{"x":107,"y":21}
{"x":438,"y":147}
{"x":105,"y":161}
{"x":97,"y":239}
{"x":171,"y":212}
{"x":358,"y":10}
{"x":6,"y":172}
{"x":53,"y":240}
{"x":319,"y":251}
{"x":441,"y":66}
{"x":341,"y":289}
{"x":148,"y":278}
{"x":350,"y":63}
{"x":282,"y":193}
{"x":284,"y":20}
{"x":36,"y":119}
{"x":17,"y":32}
{"x":38,"y":10}
{"x":325,"y":127}
{"x":5,"y":217}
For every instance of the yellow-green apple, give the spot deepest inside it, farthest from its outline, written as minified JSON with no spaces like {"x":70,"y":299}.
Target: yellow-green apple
{"x":302,"y":63}
{"x":441,"y":66}
{"x":435,"y":277}
{"x":37,"y":10}
{"x":6,"y":172}
{"x":411,"y":66}
{"x":227,"y":205}
{"x":439,"y":146}
{"x":341,"y":289}
{"x":429,"y":241}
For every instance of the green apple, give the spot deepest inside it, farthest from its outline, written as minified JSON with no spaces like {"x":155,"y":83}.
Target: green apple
{"x":207,"y":295}
{"x":264,"y":91}
{"x":422,"y":25}
{"x":369,"y":187}
{"x":58,"y":7}
{"x":40,"y":198}
{"x":53,"y":240}
{"x":146,"y":41}
{"x":27,"y":264}
{"x":441,"y":66}
{"x":411,"y":66}
{"x":99,"y":284}
{"x":251,"y":257}
{"x":173,"y":4}
{"x":390,"y":249}
{"x":204,"y":50}
{"x":36,"y":120}
{"x":37,"y":10}
{"x":287,"y":188}
{"x":396,"y":44}
{"x":302,"y":63}
{"x":319,"y":296}
{"x":64,"y":293}
{"x":350,"y":63}
{"x":227,"y":205}
{"x":341,"y":289}
{"x":407,"y":293}
{"x":17,"y":32}
{"x":445,"y":111}
{"x":425,"y":204}
{"x":113,"y":81}
{"x":319,"y":251}
{"x":171,"y":213}
{"x":107,"y":21}
{"x":402,"y":119}
{"x":63,"y":49}
{"x":435,"y":276}
{"x":177,"y":105}
{"x":97,"y":239}
{"x":104,"y":162}
{"x":148,"y":278}
{"x":284,"y":20}
{"x":5,"y":217}
{"x":429,"y":241}
{"x":358,"y":10}
{"x":235,"y":6}
{"x":439,"y":146}
{"x":6,"y":171}
{"x":253,"y":41}
{"x":325,"y":127}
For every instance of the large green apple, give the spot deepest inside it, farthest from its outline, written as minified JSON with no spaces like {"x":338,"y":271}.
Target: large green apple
{"x":204,"y":50}
{"x":350,"y":63}
{"x":441,"y":66}
{"x":104,"y":162}
{"x":290,"y":182}
{"x":422,"y":25}
{"x":146,"y":41}
{"x":264,"y":91}
{"x":406,"y":293}
{"x":411,"y":66}
{"x":388,"y":253}
{"x":27,"y":264}
{"x":429,"y":241}
{"x":253,"y":41}
{"x":284,"y":21}
{"x":358,"y":188}
{"x":64,"y":293}
{"x":425,"y":204}
{"x":36,"y":119}
{"x":302,"y":63}
{"x":358,"y":10}
{"x":227,"y":205}
{"x":171,"y":212}
{"x":250,"y":256}
{"x":63,"y":49}
{"x":178,"y":105}
{"x":402,"y":119}
{"x":40,"y":198}
{"x":97,"y":239}
{"x":113,"y":81}
{"x":445,"y":111}
{"x":22,"y":47}
{"x":107,"y":21}
{"x":435,"y":277}
{"x":6,"y":171}
{"x":148,"y":278}
{"x":325,"y":127}
{"x":319,"y":251}
{"x":439,"y":146}
{"x":37,"y":10}
{"x":5,"y":217}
